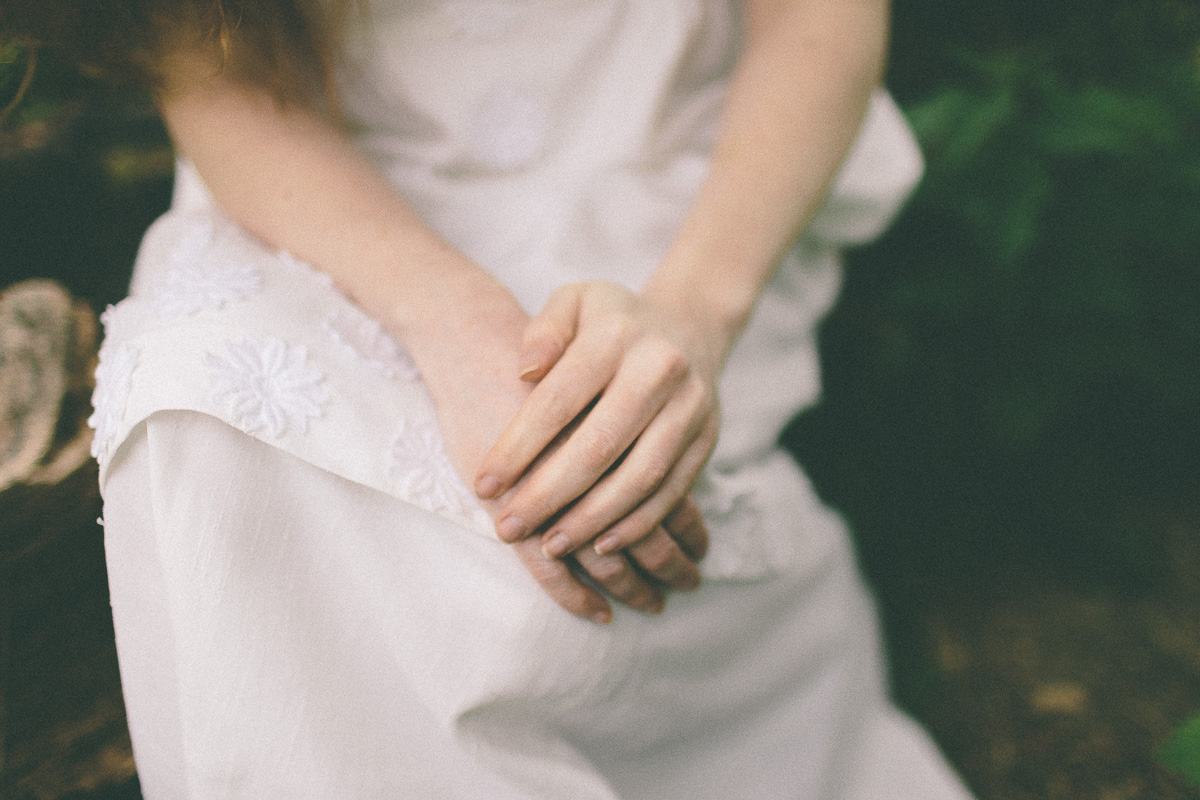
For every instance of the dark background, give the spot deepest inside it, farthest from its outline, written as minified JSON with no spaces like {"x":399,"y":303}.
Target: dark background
{"x":1011,"y":420}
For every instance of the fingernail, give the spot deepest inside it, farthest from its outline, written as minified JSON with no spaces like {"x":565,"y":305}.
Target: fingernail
{"x":603,"y":616}
{"x":510,"y":529}
{"x":606,"y":544}
{"x":557,"y":545}
{"x":532,"y":360}
{"x":487,"y":486}
{"x":527,"y":368}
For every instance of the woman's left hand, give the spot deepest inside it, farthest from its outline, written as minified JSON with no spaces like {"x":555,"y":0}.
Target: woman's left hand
{"x":639,"y":379}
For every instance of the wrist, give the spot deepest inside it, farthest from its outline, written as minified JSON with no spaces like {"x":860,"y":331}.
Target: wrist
{"x":715,"y":309}
{"x":457,"y":318}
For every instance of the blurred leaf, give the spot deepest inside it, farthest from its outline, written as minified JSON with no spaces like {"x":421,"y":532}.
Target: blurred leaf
{"x":957,"y":125}
{"x":1097,"y":120}
{"x":1182,"y":751}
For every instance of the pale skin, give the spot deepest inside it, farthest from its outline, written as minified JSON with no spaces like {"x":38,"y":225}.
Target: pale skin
{"x":510,"y":391}
{"x":653,"y":357}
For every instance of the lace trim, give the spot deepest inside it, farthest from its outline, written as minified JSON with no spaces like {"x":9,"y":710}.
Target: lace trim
{"x":114,"y":379}
{"x":366,"y":339}
{"x":424,"y":471}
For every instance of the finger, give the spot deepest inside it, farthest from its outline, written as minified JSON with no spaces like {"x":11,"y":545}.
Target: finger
{"x":639,"y":522}
{"x":661,"y":558}
{"x":654,"y":456}
{"x":578,"y":377}
{"x":687,"y":527}
{"x":621,"y":580}
{"x":565,"y":588}
{"x":642,"y":387}
{"x":548,"y":335}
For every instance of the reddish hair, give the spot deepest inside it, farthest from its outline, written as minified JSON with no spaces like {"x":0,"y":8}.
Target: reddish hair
{"x":285,"y":45}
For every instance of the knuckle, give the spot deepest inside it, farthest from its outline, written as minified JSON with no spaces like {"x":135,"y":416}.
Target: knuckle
{"x":557,"y":405}
{"x":672,"y":361}
{"x":545,"y":572}
{"x":608,"y":570}
{"x":686,"y":579}
{"x":649,"y":475}
{"x":563,"y":292}
{"x":643,"y":597}
{"x":633,"y":530}
{"x":622,"y":329}
{"x":600,"y":447}
{"x":657,"y":553}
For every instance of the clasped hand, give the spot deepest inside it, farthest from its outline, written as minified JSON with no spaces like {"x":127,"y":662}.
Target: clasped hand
{"x":606,"y":447}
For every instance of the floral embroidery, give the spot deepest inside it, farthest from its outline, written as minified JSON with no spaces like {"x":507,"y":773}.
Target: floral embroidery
{"x":366,"y":339}
{"x":426,"y":476}
{"x":189,"y":288}
{"x":509,"y":130}
{"x":114,"y":379}
{"x":304,"y":268}
{"x":267,"y":385}
{"x":480,"y":19}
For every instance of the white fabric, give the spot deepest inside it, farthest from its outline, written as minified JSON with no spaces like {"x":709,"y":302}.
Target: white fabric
{"x":308,"y":601}
{"x":285,"y":632}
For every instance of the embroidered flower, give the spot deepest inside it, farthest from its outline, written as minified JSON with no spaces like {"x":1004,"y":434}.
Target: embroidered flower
{"x":304,"y":268}
{"x":481,"y":19}
{"x":509,"y":129}
{"x":420,"y":463}
{"x":267,"y":385}
{"x":366,"y":339}
{"x":189,"y":288}
{"x":114,"y":379}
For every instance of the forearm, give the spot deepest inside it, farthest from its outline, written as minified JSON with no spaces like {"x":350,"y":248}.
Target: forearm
{"x":791,"y":112}
{"x":290,"y":176}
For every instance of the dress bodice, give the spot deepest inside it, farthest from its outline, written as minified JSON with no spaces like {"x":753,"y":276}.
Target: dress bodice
{"x":551,"y":140}
{"x":562,"y":140}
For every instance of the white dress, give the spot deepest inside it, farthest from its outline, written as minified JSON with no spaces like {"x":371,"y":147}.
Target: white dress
{"x":308,"y":601}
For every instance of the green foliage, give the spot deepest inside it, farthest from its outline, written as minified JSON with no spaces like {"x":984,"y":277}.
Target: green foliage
{"x":1182,"y":751}
{"x":1079,"y":202}
{"x":1014,"y":370}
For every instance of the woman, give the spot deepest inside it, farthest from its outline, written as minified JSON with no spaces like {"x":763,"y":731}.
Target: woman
{"x":308,"y":600}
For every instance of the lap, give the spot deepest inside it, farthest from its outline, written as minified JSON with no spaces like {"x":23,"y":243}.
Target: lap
{"x":381,"y":636}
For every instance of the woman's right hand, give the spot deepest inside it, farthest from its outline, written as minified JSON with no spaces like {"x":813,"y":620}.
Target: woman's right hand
{"x":467,"y":352}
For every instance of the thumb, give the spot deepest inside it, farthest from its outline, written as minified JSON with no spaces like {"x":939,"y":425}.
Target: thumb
{"x":548,"y":334}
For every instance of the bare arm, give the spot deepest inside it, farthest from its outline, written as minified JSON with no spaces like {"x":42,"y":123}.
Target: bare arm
{"x":291,"y":177}
{"x":792,"y":109}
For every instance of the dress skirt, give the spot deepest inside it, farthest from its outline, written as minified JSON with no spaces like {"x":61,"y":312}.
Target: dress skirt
{"x":287,"y":633}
